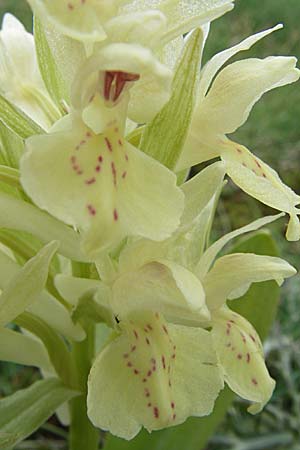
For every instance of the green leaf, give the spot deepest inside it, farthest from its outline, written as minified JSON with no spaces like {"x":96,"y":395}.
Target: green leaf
{"x":24,"y":288}
{"x":10,"y":176}
{"x":17,"y":120}
{"x":48,"y":67}
{"x":164,"y":137}
{"x":16,"y":214}
{"x":195,"y":433}
{"x":7,"y":440}
{"x":24,"y":412}
{"x":56,"y":347}
{"x":11,"y":146}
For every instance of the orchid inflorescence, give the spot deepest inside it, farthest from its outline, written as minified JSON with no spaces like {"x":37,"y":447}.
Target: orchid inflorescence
{"x":103,"y":113}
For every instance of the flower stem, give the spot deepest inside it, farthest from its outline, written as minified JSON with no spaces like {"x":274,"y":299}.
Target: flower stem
{"x":83,"y":435}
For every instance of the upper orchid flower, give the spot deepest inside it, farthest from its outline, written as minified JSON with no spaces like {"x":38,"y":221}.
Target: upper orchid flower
{"x":85,"y":173}
{"x":93,"y":21}
{"x":20,"y":79}
{"x":223,"y":106}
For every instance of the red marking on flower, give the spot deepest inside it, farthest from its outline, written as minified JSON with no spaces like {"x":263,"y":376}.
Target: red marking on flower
{"x":173,"y":356}
{"x":163,"y":362}
{"x":147,"y":341}
{"x":136,"y":372}
{"x":129,"y":364}
{"x":135,"y":334}
{"x":165,"y":329}
{"x":82,"y":142}
{"x":257,"y":163}
{"x":238,"y":150}
{"x":170,"y":384}
{"x":98,"y":168}
{"x":133,"y":348}
{"x":149,"y":373}
{"x":90,"y":181}
{"x":239,"y":356}
{"x":144,"y":380}
{"x":264,"y":175}
{"x":126,"y":355}
{"x":244,"y":164}
{"x":149,"y":405}
{"x":254,"y":381}
{"x":253,"y":338}
{"x":70,"y":7}
{"x":149,"y":327}
{"x":114,"y":83}
{"x":243,"y":338}
{"x":108,"y":80}
{"x":100,"y":158}
{"x":174,"y":416}
{"x":228,"y":345}
{"x":108,"y":144}
{"x":126,"y":157}
{"x":114,"y":173}
{"x":124,"y":174}
{"x":77,"y":147}
{"x":153,"y":360}
{"x":248,"y":357}
{"x":73,"y":159}
{"x":147,"y":392}
{"x":156,"y":412}
{"x":228,"y":331}
{"x":153,"y":368}
{"x":91,"y":210}
{"x":231,"y":321}
{"x":116,"y":215}
{"x":92,"y":98}
{"x":120,"y":142}
{"x":172,"y":405}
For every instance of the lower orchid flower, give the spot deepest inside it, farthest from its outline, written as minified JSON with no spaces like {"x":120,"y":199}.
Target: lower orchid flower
{"x":163,"y":370}
{"x":224,"y":104}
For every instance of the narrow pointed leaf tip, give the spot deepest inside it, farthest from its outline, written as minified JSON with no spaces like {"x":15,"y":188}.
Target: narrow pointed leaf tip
{"x":165,"y":136}
{"x":22,"y":413}
{"x":24,"y":288}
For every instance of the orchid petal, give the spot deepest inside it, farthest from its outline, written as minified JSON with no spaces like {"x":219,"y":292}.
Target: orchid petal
{"x":78,"y":20}
{"x":216,"y":62}
{"x":162,"y":286}
{"x":240,"y":353}
{"x":151,"y":360}
{"x":102,"y":185}
{"x":237,"y":88}
{"x":210,"y":254}
{"x":237,"y":271}
{"x":183,"y":15}
{"x":21,"y":349}
{"x":260,"y":181}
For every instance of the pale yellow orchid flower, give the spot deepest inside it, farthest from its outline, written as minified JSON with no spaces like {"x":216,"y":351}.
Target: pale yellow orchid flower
{"x":224,"y":104}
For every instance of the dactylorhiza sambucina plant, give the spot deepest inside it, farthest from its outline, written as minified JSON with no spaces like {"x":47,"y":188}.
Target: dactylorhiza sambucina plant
{"x":109,"y":284}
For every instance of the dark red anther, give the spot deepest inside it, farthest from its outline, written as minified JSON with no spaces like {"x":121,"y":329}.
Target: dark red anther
{"x":114,"y":83}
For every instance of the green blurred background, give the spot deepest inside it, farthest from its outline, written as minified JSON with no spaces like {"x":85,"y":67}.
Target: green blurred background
{"x":273,"y":133}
